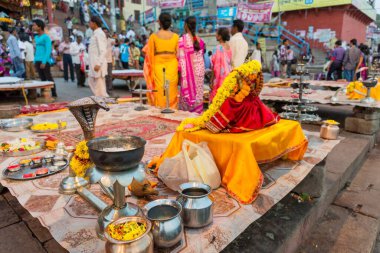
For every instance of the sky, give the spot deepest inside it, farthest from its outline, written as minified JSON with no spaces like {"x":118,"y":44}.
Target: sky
{"x":377,"y":6}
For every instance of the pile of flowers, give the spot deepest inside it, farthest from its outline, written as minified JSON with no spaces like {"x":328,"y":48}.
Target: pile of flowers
{"x":238,"y":84}
{"x":126,"y":231}
{"x":48,"y":126}
{"x":20,"y":144}
{"x":81,"y":162}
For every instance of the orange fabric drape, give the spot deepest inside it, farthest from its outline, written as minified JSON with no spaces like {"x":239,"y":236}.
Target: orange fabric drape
{"x":238,"y":155}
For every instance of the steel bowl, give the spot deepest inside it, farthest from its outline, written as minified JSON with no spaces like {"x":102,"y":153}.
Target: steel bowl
{"x":9,"y":111}
{"x":16,"y":125}
{"x":116,"y":161}
{"x":167,"y":226}
{"x":141,"y":244}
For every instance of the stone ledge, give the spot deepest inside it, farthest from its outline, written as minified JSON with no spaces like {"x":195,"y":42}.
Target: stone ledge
{"x":288,"y":223}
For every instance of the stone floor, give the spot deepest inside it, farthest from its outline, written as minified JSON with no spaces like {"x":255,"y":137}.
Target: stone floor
{"x":352,"y":222}
{"x":20,"y":232}
{"x":67,"y":91}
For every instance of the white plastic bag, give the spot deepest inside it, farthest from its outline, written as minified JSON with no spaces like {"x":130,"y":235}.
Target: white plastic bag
{"x":194,"y":163}
{"x":200,"y":164}
{"x":173,"y":171}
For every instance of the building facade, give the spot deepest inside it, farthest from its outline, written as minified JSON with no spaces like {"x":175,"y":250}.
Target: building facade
{"x":322,"y":22}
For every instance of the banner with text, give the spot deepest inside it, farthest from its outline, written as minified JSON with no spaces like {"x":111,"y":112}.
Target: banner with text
{"x":150,"y":16}
{"x":255,"y":13}
{"x":171,"y":4}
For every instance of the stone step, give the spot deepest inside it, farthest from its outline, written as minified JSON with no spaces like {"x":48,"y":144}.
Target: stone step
{"x":352,"y":222}
{"x":288,"y":223}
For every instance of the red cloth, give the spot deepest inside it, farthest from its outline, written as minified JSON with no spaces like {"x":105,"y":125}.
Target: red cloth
{"x":236,"y":117}
{"x":43,"y":107}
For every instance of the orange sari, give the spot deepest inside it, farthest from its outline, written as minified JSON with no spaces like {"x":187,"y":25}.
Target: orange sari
{"x":161,"y":54}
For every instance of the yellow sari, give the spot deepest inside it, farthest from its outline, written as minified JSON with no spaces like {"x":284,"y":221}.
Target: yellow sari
{"x":160,"y":54}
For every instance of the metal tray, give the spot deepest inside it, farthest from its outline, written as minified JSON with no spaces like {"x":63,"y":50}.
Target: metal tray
{"x":28,"y":152}
{"x":16,"y":125}
{"x":18,"y":175}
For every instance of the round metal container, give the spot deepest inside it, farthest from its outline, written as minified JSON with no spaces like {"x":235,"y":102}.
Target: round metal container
{"x":116,"y":161}
{"x":142,"y":244}
{"x":329,"y":132}
{"x":196,"y":204}
{"x":16,"y":125}
{"x":167,"y":227}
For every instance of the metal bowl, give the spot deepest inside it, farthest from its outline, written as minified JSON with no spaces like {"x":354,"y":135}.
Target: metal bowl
{"x":16,"y":125}
{"x":116,"y":161}
{"x":370,"y":83}
{"x":9,"y":111}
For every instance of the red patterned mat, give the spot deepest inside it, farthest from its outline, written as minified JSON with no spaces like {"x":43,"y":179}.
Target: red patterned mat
{"x":147,"y":127}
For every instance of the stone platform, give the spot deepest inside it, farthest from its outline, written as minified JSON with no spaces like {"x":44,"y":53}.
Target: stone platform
{"x":282,"y":229}
{"x":288,"y":223}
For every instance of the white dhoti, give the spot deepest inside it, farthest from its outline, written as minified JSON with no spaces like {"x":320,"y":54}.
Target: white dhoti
{"x":98,"y":86}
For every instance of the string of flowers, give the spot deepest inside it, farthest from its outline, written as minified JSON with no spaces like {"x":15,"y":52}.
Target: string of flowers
{"x":80,"y":162}
{"x":228,"y":88}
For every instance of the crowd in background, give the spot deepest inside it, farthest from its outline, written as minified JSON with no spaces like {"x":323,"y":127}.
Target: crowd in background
{"x":94,"y":53}
{"x":182,"y":61}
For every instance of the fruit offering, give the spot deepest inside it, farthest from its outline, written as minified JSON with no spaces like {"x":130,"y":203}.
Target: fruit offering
{"x":25,"y":162}
{"x":47,"y":126}
{"x":126,"y":231}
{"x":19,"y":145}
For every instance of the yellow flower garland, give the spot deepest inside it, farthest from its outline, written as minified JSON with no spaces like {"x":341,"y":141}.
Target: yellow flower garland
{"x":81,"y":162}
{"x":227,"y":89}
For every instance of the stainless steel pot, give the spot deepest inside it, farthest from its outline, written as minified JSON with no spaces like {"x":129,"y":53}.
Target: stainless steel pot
{"x":142,"y":244}
{"x":329,"y":132}
{"x":197,"y":206}
{"x":167,"y":226}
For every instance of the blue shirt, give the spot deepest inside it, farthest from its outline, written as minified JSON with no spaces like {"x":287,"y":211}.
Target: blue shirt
{"x":338,"y":54}
{"x":43,"y":48}
{"x":14,"y":49}
{"x":207,"y":61}
{"x":124,"y":52}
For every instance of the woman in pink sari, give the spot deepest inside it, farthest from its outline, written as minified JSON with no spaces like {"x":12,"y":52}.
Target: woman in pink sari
{"x":192,"y":68}
{"x":221,"y":60}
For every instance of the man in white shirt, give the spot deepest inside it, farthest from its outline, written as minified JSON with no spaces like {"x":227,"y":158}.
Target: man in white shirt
{"x":256,"y":55}
{"x":72,"y":5}
{"x":131,"y":34}
{"x":97,"y":53}
{"x":238,"y":44}
{"x":29,"y":58}
{"x":122,"y":36}
{"x":76,"y":50}
{"x":284,"y":57}
{"x":88,"y":34}
{"x":77,"y":32}
{"x":110,"y":43}
{"x":69,"y":25}
{"x":21,"y":45}
{"x":64,"y":49}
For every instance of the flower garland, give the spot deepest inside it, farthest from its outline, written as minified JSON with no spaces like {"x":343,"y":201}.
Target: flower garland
{"x":81,"y":162}
{"x":356,"y":90}
{"x":228,"y":88}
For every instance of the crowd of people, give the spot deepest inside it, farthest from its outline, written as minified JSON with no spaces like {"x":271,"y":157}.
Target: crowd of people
{"x":349,"y":63}
{"x":182,"y":62}
{"x":22,"y":59}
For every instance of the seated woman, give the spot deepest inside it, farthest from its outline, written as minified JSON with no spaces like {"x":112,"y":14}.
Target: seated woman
{"x":236,"y":107}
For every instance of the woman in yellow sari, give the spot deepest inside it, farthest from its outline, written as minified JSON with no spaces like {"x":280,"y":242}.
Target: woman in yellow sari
{"x":160,"y":61}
